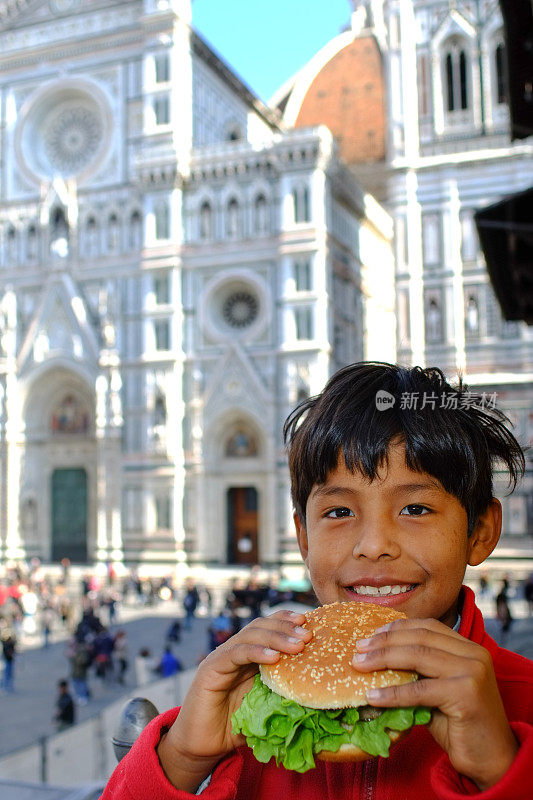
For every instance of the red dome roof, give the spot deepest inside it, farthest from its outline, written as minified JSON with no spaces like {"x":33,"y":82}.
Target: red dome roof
{"x":347,"y":95}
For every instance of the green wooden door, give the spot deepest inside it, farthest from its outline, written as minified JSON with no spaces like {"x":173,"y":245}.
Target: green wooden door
{"x":69,"y":515}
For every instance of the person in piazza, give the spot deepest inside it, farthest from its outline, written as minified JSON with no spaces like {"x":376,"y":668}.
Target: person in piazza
{"x":383,"y":497}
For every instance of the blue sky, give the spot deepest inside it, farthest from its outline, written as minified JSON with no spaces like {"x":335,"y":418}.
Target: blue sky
{"x":267,"y":41}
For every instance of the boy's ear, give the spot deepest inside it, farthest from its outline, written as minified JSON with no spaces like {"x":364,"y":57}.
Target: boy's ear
{"x":486,"y":533}
{"x":301,"y":535}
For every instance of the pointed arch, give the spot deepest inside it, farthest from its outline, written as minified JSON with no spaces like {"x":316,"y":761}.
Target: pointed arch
{"x":32,"y":242}
{"x":472,"y":314}
{"x":434,"y":319}
{"x":233,"y":217}
{"x":12,"y":244}
{"x":457,"y":75}
{"x":90,"y":237}
{"x":206,"y":221}
{"x":135,"y":236}
{"x":113,"y":232}
{"x":260,"y":211}
{"x":235,"y":434}
{"x":55,"y":386}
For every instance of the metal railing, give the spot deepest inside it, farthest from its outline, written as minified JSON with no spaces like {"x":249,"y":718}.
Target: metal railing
{"x":84,"y":753}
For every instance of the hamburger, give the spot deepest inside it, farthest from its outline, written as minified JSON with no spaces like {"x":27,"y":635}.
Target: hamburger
{"x":313,"y":704}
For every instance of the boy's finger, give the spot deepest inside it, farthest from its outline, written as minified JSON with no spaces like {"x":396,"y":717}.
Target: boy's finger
{"x":290,"y":616}
{"x":258,"y":646}
{"x":254,"y":654}
{"x":426,"y":637}
{"x":245,"y":654}
{"x":428,"y":661}
{"x":281,"y":636}
{"x":415,"y":623}
{"x":420,"y":693}
{"x":289,"y":625}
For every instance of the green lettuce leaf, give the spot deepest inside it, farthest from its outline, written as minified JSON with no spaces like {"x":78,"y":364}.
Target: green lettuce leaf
{"x":282,"y":729}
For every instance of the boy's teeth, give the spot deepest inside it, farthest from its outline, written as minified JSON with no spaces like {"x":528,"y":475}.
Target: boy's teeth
{"x":380,"y":590}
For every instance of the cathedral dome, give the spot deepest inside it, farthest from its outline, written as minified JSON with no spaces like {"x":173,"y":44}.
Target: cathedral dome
{"x":342,"y":87}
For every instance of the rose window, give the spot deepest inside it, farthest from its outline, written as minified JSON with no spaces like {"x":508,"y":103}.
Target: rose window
{"x":240,"y":309}
{"x":71,"y":138}
{"x":64,"y":130}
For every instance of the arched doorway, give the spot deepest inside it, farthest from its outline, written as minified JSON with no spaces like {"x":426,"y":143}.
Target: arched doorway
{"x":69,"y":515}
{"x":242,"y":515}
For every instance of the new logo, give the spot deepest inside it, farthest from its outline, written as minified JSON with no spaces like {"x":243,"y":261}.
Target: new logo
{"x":384,"y":400}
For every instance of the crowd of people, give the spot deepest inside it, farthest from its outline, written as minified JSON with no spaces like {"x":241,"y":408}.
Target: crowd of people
{"x":39,"y":607}
{"x":43,"y":607}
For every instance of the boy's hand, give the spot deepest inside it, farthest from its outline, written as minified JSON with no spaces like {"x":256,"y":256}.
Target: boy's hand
{"x":201,"y":735}
{"x":458,"y":683}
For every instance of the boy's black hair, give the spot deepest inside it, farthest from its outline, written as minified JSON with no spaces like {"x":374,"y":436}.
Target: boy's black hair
{"x":450,"y":433}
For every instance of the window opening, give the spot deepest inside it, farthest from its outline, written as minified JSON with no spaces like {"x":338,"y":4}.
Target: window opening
{"x":206,"y":219}
{"x":302,"y":276}
{"x":233,"y":218}
{"x":501,"y":74}
{"x":304,"y":323}
{"x":456,"y":68}
{"x":162,"y":110}
{"x":260,"y":214}
{"x":162,"y":334}
{"x":162,"y":289}
{"x":162,"y":221}
{"x":162,"y":68}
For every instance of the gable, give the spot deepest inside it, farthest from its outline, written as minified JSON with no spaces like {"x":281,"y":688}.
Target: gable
{"x":235,"y":383}
{"x":455,"y":24}
{"x":60,"y":327}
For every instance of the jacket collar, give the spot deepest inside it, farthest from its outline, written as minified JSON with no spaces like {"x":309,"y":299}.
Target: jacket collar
{"x":472,"y":626}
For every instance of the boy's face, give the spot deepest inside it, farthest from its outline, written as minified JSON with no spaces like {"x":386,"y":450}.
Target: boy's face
{"x":400,"y":540}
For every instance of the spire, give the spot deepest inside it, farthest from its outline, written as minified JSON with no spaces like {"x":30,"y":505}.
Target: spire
{"x":361,"y":15}
{"x":367,"y":18}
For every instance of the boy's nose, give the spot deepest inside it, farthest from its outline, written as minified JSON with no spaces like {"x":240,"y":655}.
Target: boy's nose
{"x":376,"y":541}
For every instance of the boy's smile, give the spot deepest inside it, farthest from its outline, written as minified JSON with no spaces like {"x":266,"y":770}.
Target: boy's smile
{"x":399,"y":540}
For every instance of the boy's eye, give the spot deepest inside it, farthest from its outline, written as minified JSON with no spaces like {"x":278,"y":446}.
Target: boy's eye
{"x":414,"y":510}
{"x":338,"y":513}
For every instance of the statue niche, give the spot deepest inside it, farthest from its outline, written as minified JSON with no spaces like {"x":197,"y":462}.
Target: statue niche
{"x":241,"y":444}
{"x":70,"y":416}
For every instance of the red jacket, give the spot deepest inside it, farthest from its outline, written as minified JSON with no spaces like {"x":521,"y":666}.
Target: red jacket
{"x":417,"y":768}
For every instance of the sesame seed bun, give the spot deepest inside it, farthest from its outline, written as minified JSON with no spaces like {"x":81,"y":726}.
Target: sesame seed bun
{"x":322,"y":674}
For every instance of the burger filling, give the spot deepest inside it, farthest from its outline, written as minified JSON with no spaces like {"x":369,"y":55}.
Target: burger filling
{"x":276,"y":727}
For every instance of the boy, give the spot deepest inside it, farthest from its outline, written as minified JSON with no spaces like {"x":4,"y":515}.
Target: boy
{"x":391,"y":474}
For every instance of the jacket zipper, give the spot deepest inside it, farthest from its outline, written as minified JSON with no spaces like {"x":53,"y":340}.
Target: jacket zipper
{"x":368,"y":778}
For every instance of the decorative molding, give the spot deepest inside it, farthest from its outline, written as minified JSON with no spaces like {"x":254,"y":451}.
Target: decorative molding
{"x":68,"y":52}
{"x":96,"y":23}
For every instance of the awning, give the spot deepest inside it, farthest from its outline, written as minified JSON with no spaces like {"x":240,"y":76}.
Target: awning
{"x":506,"y":235}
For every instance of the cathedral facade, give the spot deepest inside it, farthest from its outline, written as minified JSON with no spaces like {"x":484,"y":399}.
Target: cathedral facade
{"x":416,"y":93}
{"x":451,"y":154}
{"x":178,"y":269}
